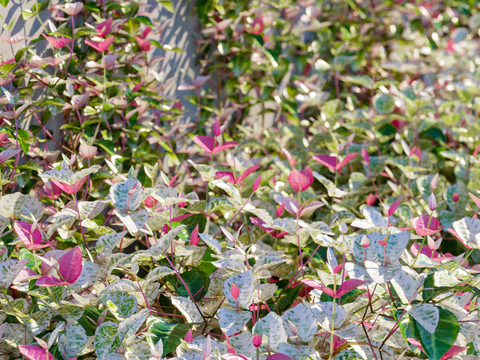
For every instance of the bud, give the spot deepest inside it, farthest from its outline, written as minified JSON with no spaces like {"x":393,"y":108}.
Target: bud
{"x":73,"y":158}
{"x":434,"y":182}
{"x":293,"y":328}
{"x":365,"y":156}
{"x":365,"y":242}
{"x":382,"y":243}
{"x":88,"y":151}
{"x":371,"y":199}
{"x":132,"y":192}
{"x":257,"y":340}
{"x":73,"y":8}
{"x":343,"y":228}
{"x":230,"y":159}
{"x":194,"y":239}
{"x":235,"y":291}
{"x":432,"y":202}
{"x":455,"y":197}
{"x":280,"y":209}
{"x":165,"y":228}
{"x":189,"y":336}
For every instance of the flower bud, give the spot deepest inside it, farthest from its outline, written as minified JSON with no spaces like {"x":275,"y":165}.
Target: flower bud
{"x":365,"y":242}
{"x":280,"y":209}
{"x":343,"y":228}
{"x":371,"y":199}
{"x":432,"y":202}
{"x":293,"y":328}
{"x":257,"y":340}
{"x":235,"y":291}
{"x":455,"y":197}
{"x":434,"y":182}
{"x":365,"y":156}
{"x":73,"y":158}
{"x":382,"y":243}
{"x":132,"y":192}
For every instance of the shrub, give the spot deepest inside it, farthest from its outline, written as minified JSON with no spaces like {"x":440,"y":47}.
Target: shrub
{"x":321,"y":204}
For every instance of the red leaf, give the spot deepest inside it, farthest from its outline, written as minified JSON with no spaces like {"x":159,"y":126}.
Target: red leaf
{"x":328,"y":161}
{"x":346,"y":160}
{"x":301,"y":180}
{"x":34,"y":353}
{"x":57,"y":43}
{"x":393,"y":207}
{"x":101,"y":46}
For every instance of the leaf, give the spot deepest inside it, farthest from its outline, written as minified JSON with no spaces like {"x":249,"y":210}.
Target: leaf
{"x":76,"y":339}
{"x":427,"y":315}
{"x":437,"y":344}
{"x":121,"y":304}
{"x":331,"y":189}
{"x":197,"y":282}
{"x":106,"y":243}
{"x":246,"y":283}
{"x":119,"y":193}
{"x":302,"y":317}
{"x":212,"y":243}
{"x":9,"y":270}
{"x":187,"y":308}
{"x":169,"y":333}
{"x":383,"y":103}
{"x":406,"y":285}
{"x":232,"y":321}
{"x":4,"y":2}
{"x":165,"y":241}
{"x":396,"y":245}
{"x":131,"y":325}
{"x":468,"y":229}
{"x":167,"y":5}
{"x":133,"y":221}
{"x":272,"y":327}
{"x":323,"y":312}
{"x":106,"y":339}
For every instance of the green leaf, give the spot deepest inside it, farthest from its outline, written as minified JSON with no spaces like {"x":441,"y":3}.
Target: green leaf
{"x":437,"y":344}
{"x":383,"y":103}
{"x":169,"y":333}
{"x":348,"y":298}
{"x":106,"y":339}
{"x":6,"y":69}
{"x":195,"y":280}
{"x":82,"y":31}
{"x":144,"y":20}
{"x":4,"y":2}
{"x":167,"y":5}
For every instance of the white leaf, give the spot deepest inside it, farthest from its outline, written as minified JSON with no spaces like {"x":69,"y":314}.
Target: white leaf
{"x":426,"y":315}
{"x":303,"y":318}
{"x":133,"y":221}
{"x":246,"y":282}
{"x":106,"y":243}
{"x":271,"y":326}
{"x":187,"y":308}
{"x":119,"y":193}
{"x":468,"y":229}
{"x":212,"y":243}
{"x":231,"y":321}
{"x":323,"y":312}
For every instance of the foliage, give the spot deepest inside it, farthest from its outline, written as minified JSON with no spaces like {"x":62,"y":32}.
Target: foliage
{"x":321,"y":204}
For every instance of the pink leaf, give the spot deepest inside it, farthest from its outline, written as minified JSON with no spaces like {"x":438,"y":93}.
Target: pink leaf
{"x":348,"y":286}
{"x":225,"y":146}
{"x":24,"y":232}
{"x":301,"y":180}
{"x":279,"y":356}
{"x":426,"y":225}
{"x":365,"y":156}
{"x":57,"y":44}
{"x":189,"y":336}
{"x":71,"y":265}
{"x":104,"y":28}
{"x":194,"y":239}
{"x":256,"y":183}
{"x":328,"y":161}
{"x":205,"y":142}
{"x":291,"y":160}
{"x":247,"y":172}
{"x":311,"y":206}
{"x":227,"y":176}
{"x":217,"y":130}
{"x":70,"y":189}
{"x":346,"y":160}
{"x":143,"y":44}
{"x":475,"y":199}
{"x":49,"y":280}
{"x":393,"y":207}
{"x":34,"y":353}
{"x":290,"y":205}
{"x":371,"y":199}
{"x":101,"y":46}
{"x":280,"y":209}
{"x":146,"y":31}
